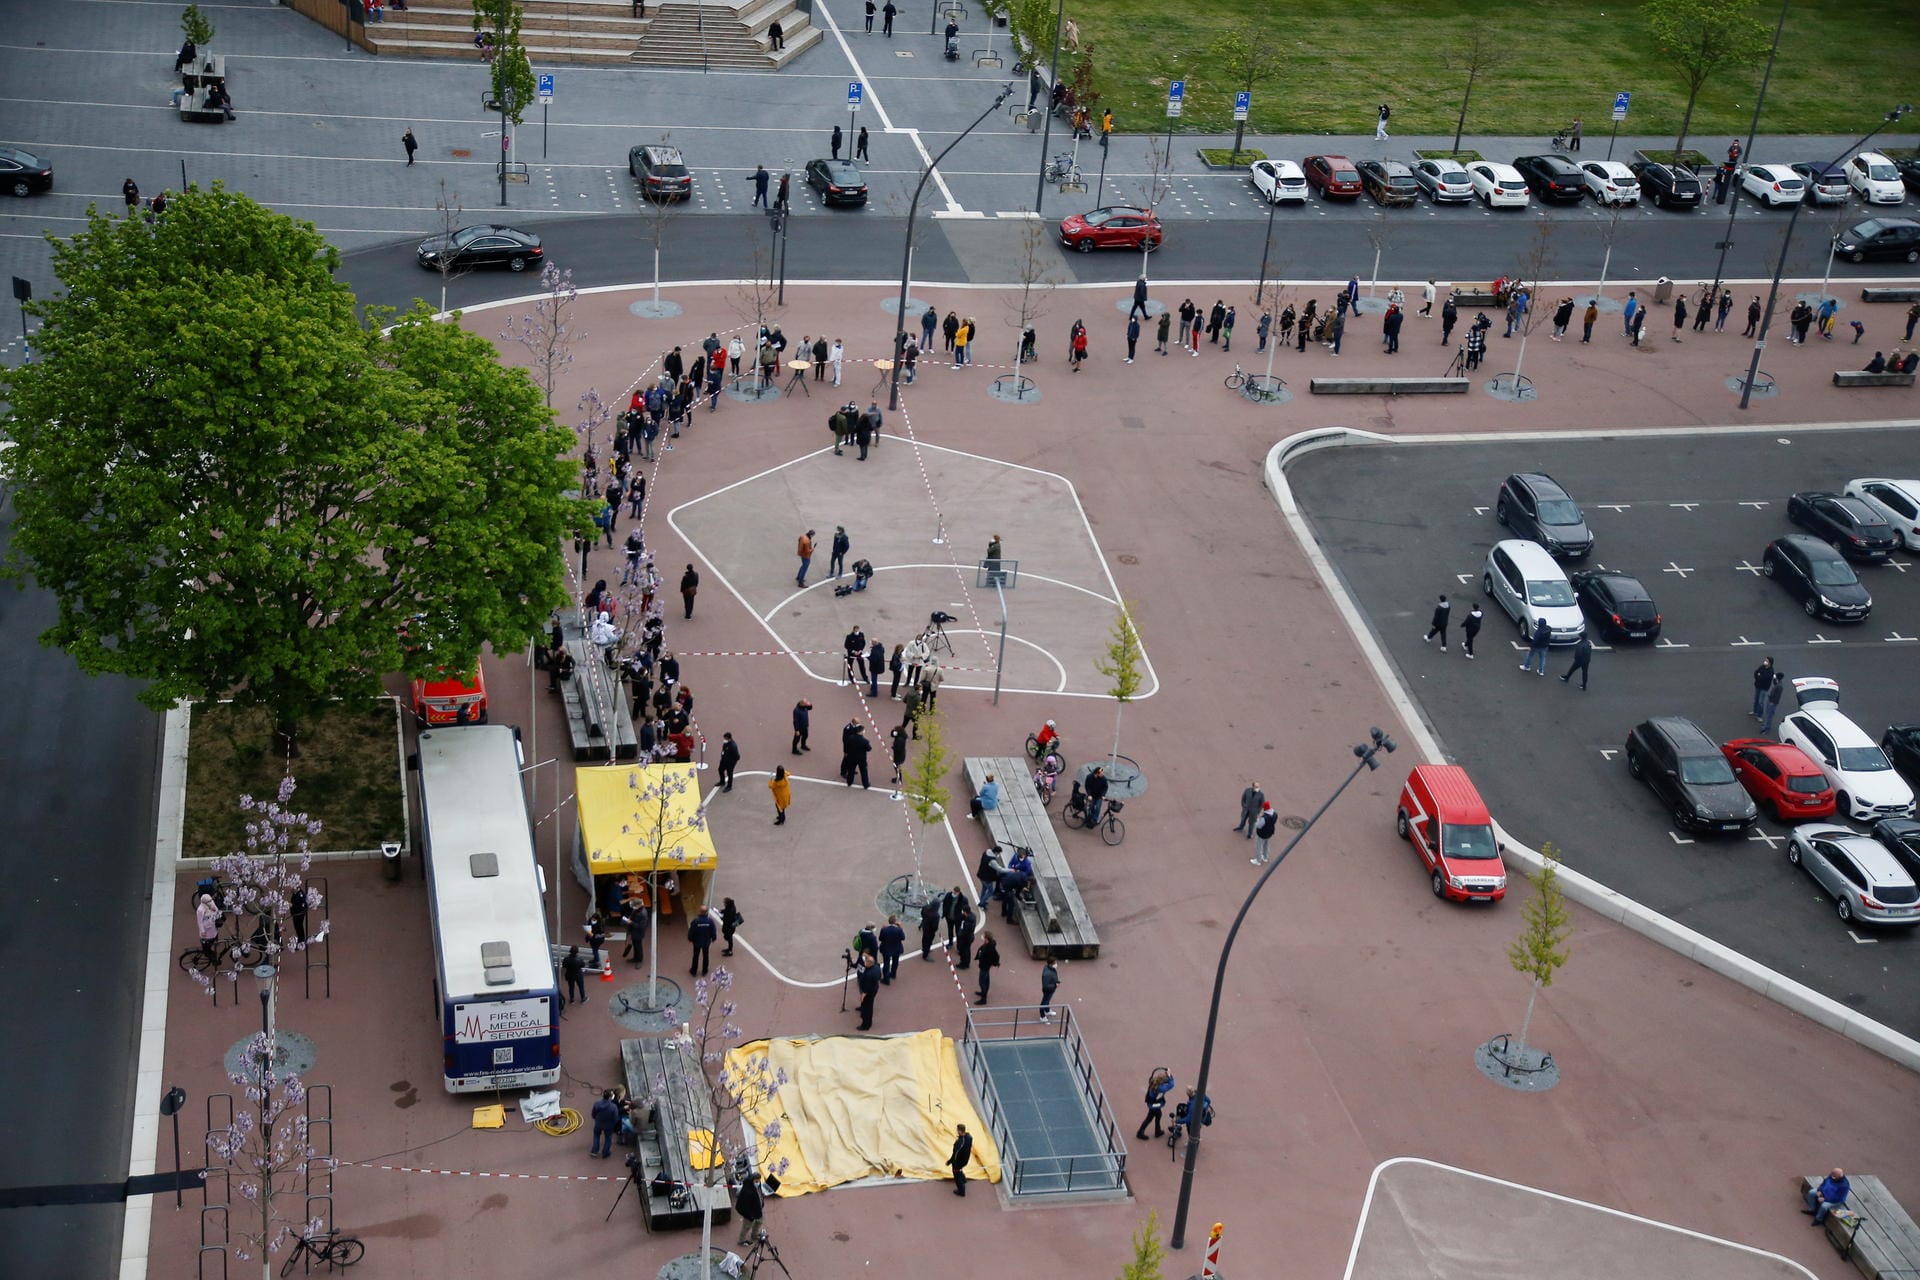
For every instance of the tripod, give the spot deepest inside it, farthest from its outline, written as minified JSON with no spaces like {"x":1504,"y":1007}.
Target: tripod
{"x":1459,"y":365}
{"x":763,"y":1250}
{"x":935,"y":638}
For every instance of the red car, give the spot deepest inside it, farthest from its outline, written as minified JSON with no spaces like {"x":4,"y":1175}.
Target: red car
{"x":1114,"y":227}
{"x":1337,"y":177}
{"x":1779,"y":776}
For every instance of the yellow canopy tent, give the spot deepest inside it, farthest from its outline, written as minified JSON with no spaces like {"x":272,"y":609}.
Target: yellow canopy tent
{"x":645,"y":818}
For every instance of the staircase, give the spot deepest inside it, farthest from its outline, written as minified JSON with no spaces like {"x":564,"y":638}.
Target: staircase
{"x":606,"y":31}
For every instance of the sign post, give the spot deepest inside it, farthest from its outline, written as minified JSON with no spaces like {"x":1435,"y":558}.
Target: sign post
{"x":546,"y":100}
{"x":1620,"y":103}
{"x":855,"y":93}
{"x":1176,"y":99}
{"x":1242,"y":105}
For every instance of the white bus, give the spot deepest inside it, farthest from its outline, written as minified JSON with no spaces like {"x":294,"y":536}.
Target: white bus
{"x":494,"y":969}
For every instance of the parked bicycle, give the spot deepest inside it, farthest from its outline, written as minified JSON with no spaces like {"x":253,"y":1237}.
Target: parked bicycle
{"x":1063,"y":169}
{"x":332,"y":1250}
{"x":1253,"y":385}
{"x":1111,"y":829}
{"x":243,"y":953}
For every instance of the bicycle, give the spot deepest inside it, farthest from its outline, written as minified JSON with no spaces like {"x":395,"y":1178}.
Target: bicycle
{"x":1046,"y":784}
{"x":332,"y":1250}
{"x":1063,"y":169}
{"x":1253,"y":385}
{"x":245,"y":955}
{"x":1112,"y":830}
{"x":1037,"y":750}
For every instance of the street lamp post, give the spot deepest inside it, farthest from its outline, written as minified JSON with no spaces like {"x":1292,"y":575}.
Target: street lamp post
{"x":906,"y":260}
{"x":1366,"y":751}
{"x":1046,"y":129}
{"x":1786,"y":242}
{"x":1266,"y":249}
{"x":1753,"y":132}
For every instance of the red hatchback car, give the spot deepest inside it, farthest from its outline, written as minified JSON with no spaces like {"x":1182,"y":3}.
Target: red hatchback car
{"x":1114,"y":227}
{"x":1337,"y":177}
{"x":1779,"y":776}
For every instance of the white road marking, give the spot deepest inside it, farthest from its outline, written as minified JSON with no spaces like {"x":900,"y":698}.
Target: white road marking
{"x":1614,"y":506}
{"x":1744,"y":643}
{"x":1756,"y":504}
{"x":1897,"y":638}
{"x":1820,"y":639}
{"x":1684,"y":506}
{"x":1674,"y":568}
{"x":1865,"y":942}
{"x":1670,"y":644}
{"x":1608,"y":753}
{"x":1744,"y":567}
{"x":1771,"y":840}
{"x":1678,"y":839}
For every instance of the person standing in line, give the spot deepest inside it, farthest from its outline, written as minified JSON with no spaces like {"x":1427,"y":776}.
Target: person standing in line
{"x":876,"y":662}
{"x":1679,"y":317}
{"x":1762,"y":681}
{"x":802,"y":721}
{"x":782,"y":788}
{"x":1562,"y":317}
{"x":886,"y":14}
{"x":1427,"y":293}
{"x":1133,"y":337}
{"x":863,"y":436}
{"x":1215,"y":318}
{"x":606,"y":1123}
{"x":898,"y":747}
{"x":1380,"y":125}
{"x":730,"y":922}
{"x":837,"y":353}
{"x":949,"y":329}
{"x":1537,"y":646}
{"x":1640,"y":326}
{"x":950,"y":903}
{"x":1470,"y":627}
{"x":1262,"y":331}
{"x":1251,"y":798}
{"x":1774,"y":692}
{"x":803,"y":549}
{"x":896,"y":667}
{"x":1049,"y":983}
{"x":1753,"y":317}
{"x":837,"y":553}
{"x":1703,"y":307}
{"x":860,"y":145}
{"x":929,"y":927}
{"x":893,"y":943}
{"x":1390,"y":329}
{"x":929,"y":321}
{"x":1628,"y":312}
{"x":1166,"y":327}
{"x":689,"y":587}
{"x":1199,"y":322}
{"x":963,"y":934}
{"x":836,"y":141}
{"x":1438,"y":627}
{"x":987,"y":960}
{"x":1263,"y":830}
{"x":958,"y":1157}
{"x":729,"y":760}
{"x":1586,"y":320}
{"x":574,"y":970}
{"x":1187,"y":312}
{"x":1449,"y":316}
{"x":1337,"y":332}
{"x":868,"y":980}
{"x":1582,"y":661}
{"x":1913,"y":312}
{"x":962,"y":337}
{"x":406,"y":140}
{"x":1226,"y":329}
{"x":701,"y":932}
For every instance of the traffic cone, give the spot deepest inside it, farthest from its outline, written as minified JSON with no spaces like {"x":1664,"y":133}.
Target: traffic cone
{"x":606,"y":967}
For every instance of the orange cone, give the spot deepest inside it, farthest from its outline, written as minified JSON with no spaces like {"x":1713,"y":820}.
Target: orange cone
{"x":606,"y":968}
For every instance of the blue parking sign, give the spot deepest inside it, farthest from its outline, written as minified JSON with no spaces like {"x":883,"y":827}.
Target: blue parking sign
{"x":855,"y":92}
{"x":1620,"y":101}
{"x":546,"y":87}
{"x":1176,"y":97}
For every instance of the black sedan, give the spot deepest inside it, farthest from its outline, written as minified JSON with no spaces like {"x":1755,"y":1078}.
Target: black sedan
{"x":1389,"y":182}
{"x":1620,"y":607}
{"x":1901,"y":742}
{"x":481,"y":246}
{"x":1690,"y":774}
{"x":1815,"y":574}
{"x":837,"y":181}
{"x":1854,"y":529}
{"x":23,"y":173}
{"x":1552,"y":177}
{"x":1668,"y":186}
{"x":1883,"y":239}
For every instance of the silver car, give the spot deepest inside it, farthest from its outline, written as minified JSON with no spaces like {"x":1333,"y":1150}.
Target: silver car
{"x":1444,"y":181}
{"x":1867,"y":882}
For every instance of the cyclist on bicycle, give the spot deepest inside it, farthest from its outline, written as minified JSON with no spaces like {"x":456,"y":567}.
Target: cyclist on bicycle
{"x":1047,"y":777}
{"x":206,"y":914}
{"x":1047,"y":737}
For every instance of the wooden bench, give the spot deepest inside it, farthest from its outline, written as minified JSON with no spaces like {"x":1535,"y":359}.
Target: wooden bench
{"x":1474,"y":298}
{"x":1873,"y":1230}
{"x":195,"y":107}
{"x":1056,"y":921}
{"x":667,"y":1075}
{"x":1891,"y":293}
{"x":1861,"y":378}
{"x":204,"y":71}
{"x":592,"y":693}
{"x":1389,"y":386}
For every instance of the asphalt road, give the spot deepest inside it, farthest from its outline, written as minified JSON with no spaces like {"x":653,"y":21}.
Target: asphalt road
{"x":1402,"y":523}
{"x":79,"y":757}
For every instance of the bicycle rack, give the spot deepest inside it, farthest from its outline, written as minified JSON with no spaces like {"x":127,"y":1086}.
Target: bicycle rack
{"x":322,"y":1121}
{"x":324,"y":1218}
{"x":219,"y":1251}
{"x":226,"y":1102}
{"x":325,"y":945}
{"x":207,"y":1175}
{"x":217,"y":1248}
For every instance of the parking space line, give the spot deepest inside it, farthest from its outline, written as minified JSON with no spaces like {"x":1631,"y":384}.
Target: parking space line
{"x":1678,"y":838}
{"x":1865,"y":942}
{"x":1671,"y":644}
{"x":1755,"y":833}
{"x":1610,"y":506}
{"x":1745,"y":567}
{"x":1820,"y":639}
{"x":1744,"y":643}
{"x":1685,"y":506}
{"x":1756,"y":504}
{"x":1674,"y":568}
{"x":1897,"y":638}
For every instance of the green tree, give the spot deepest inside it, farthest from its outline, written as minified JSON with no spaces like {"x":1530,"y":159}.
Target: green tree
{"x":1246,"y":57}
{"x":513,"y":87}
{"x":196,"y":26}
{"x":1032,"y":22}
{"x":1148,"y":1252}
{"x":1481,"y":51}
{"x":1703,"y":37}
{"x":233,"y":486}
{"x":1539,"y":951}
{"x":924,"y":780}
{"x":1122,"y":668}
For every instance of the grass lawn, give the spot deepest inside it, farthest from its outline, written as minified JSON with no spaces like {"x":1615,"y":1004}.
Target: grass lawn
{"x":348,"y":771}
{"x":1842,"y":64}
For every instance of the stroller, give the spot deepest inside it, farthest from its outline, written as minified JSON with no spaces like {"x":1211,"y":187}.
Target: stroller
{"x":953,"y":48}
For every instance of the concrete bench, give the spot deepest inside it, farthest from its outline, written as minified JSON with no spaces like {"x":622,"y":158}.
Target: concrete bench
{"x":1873,"y":1230}
{"x":665,"y":1080}
{"x":1891,"y":293}
{"x":1474,"y":298}
{"x":1390,"y":386}
{"x":195,"y":107}
{"x":1861,"y":378}
{"x":599,"y":721}
{"x":1056,"y":921}
{"x":206,"y":70}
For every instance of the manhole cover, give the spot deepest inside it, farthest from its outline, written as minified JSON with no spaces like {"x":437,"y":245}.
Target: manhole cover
{"x":1294,"y":822}
{"x":1128,"y":559}
{"x":293,"y":1055}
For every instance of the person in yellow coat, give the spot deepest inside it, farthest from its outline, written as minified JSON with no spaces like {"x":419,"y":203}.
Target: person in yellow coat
{"x":782,"y":788}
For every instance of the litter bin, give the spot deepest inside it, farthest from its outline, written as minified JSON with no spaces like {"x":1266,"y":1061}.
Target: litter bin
{"x":1662,"y":290}
{"x":390,"y":859}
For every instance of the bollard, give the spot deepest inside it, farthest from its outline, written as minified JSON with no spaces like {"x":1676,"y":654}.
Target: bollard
{"x":390,"y":859}
{"x":1210,"y":1269}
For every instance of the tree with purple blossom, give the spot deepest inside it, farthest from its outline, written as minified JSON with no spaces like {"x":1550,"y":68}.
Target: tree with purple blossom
{"x":268,"y":1154}
{"x":268,"y":881}
{"x":548,"y":333}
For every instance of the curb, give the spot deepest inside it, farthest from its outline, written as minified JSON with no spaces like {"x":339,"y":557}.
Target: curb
{"x":1585,"y":890}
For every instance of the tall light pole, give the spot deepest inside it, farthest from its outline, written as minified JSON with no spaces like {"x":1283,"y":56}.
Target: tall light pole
{"x":1753,"y":132}
{"x":906,"y":259}
{"x":1786,"y":242}
{"x":1046,"y":129}
{"x":1376,"y":743}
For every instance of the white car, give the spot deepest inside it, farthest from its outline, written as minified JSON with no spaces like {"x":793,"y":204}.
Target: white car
{"x":1897,"y":501}
{"x":1773,"y":184}
{"x":1278,"y":181}
{"x":1500,"y":186}
{"x":1444,"y":181}
{"x":1530,"y":585}
{"x":1611,"y":182}
{"x":1866,"y":787}
{"x":1874,"y":177}
{"x":1866,"y":881}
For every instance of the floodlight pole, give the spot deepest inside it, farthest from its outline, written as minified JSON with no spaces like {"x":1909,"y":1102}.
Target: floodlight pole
{"x":1000,"y":589}
{"x":1753,"y":131}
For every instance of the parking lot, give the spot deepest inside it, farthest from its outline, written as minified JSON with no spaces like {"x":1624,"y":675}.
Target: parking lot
{"x":1690,"y":515}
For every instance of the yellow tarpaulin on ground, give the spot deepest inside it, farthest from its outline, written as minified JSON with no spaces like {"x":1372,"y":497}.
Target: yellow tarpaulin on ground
{"x":629,"y":813}
{"x":857,"y":1108}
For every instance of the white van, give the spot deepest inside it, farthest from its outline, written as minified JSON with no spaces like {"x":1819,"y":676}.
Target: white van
{"x":1530,"y":584}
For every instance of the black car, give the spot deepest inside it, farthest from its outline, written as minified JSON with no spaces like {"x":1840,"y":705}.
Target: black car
{"x":1690,"y":774}
{"x":1854,"y":529}
{"x":661,"y":172}
{"x":1533,"y":505}
{"x":1902,"y":745}
{"x":1620,"y":607}
{"x":1886,"y":238}
{"x":23,"y":173}
{"x":1552,"y":177}
{"x":1909,"y":172}
{"x":482,"y":246}
{"x":1902,"y":838}
{"x":1389,"y":182}
{"x":1818,"y":577}
{"x":837,"y":181}
{"x":1666,"y":185}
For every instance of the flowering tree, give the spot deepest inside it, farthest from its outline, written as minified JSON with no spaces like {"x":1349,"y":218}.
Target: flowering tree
{"x":268,"y":1153}
{"x":656,"y":827}
{"x":548,"y":333}
{"x":267,"y":880}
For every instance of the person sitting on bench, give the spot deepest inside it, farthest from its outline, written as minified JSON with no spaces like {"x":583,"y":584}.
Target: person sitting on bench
{"x":217,"y":97}
{"x":987,"y":800}
{"x":1911,"y":363}
{"x":1878,"y":364}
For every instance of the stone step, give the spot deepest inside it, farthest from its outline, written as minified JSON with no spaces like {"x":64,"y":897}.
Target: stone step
{"x":534,"y":25}
{"x":426,"y":48}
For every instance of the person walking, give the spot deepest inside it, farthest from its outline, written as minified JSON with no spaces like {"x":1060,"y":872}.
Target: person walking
{"x":1562,"y":317}
{"x":1774,"y":692}
{"x":1762,"y":681}
{"x":1449,"y":316}
{"x":406,"y":140}
{"x":867,"y":978}
{"x":1427,"y":293}
{"x":1133,"y":337}
{"x":574,"y":970}
{"x":782,"y":788}
{"x":1251,"y":798}
{"x":760,"y":180}
{"x":689,"y":588}
{"x":1079,"y":347}
{"x":1049,"y":983}
{"x":729,"y":760}
{"x":1582,"y":661}
{"x":1586,"y":320}
{"x":130,"y":192}
{"x":836,"y":141}
{"x":872,"y":8}
{"x":1263,"y":830}
{"x":958,"y":1157}
{"x":1438,"y":626}
{"x":1139,"y":307}
{"x":1470,"y":627}
{"x":837,"y":551}
{"x":1537,"y":645}
{"x":886,"y":19}
{"x":701,"y":932}
{"x":860,"y":145}
{"x":986,"y":960}
{"x":730,"y":922}
{"x":606,"y":1124}
{"x":893,"y":944}
{"x":1380,"y":124}
{"x":802,"y":722}
{"x":804,"y":550}
{"x":1159,"y":1084}
{"x":929,"y":927}
{"x":1166,"y":328}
